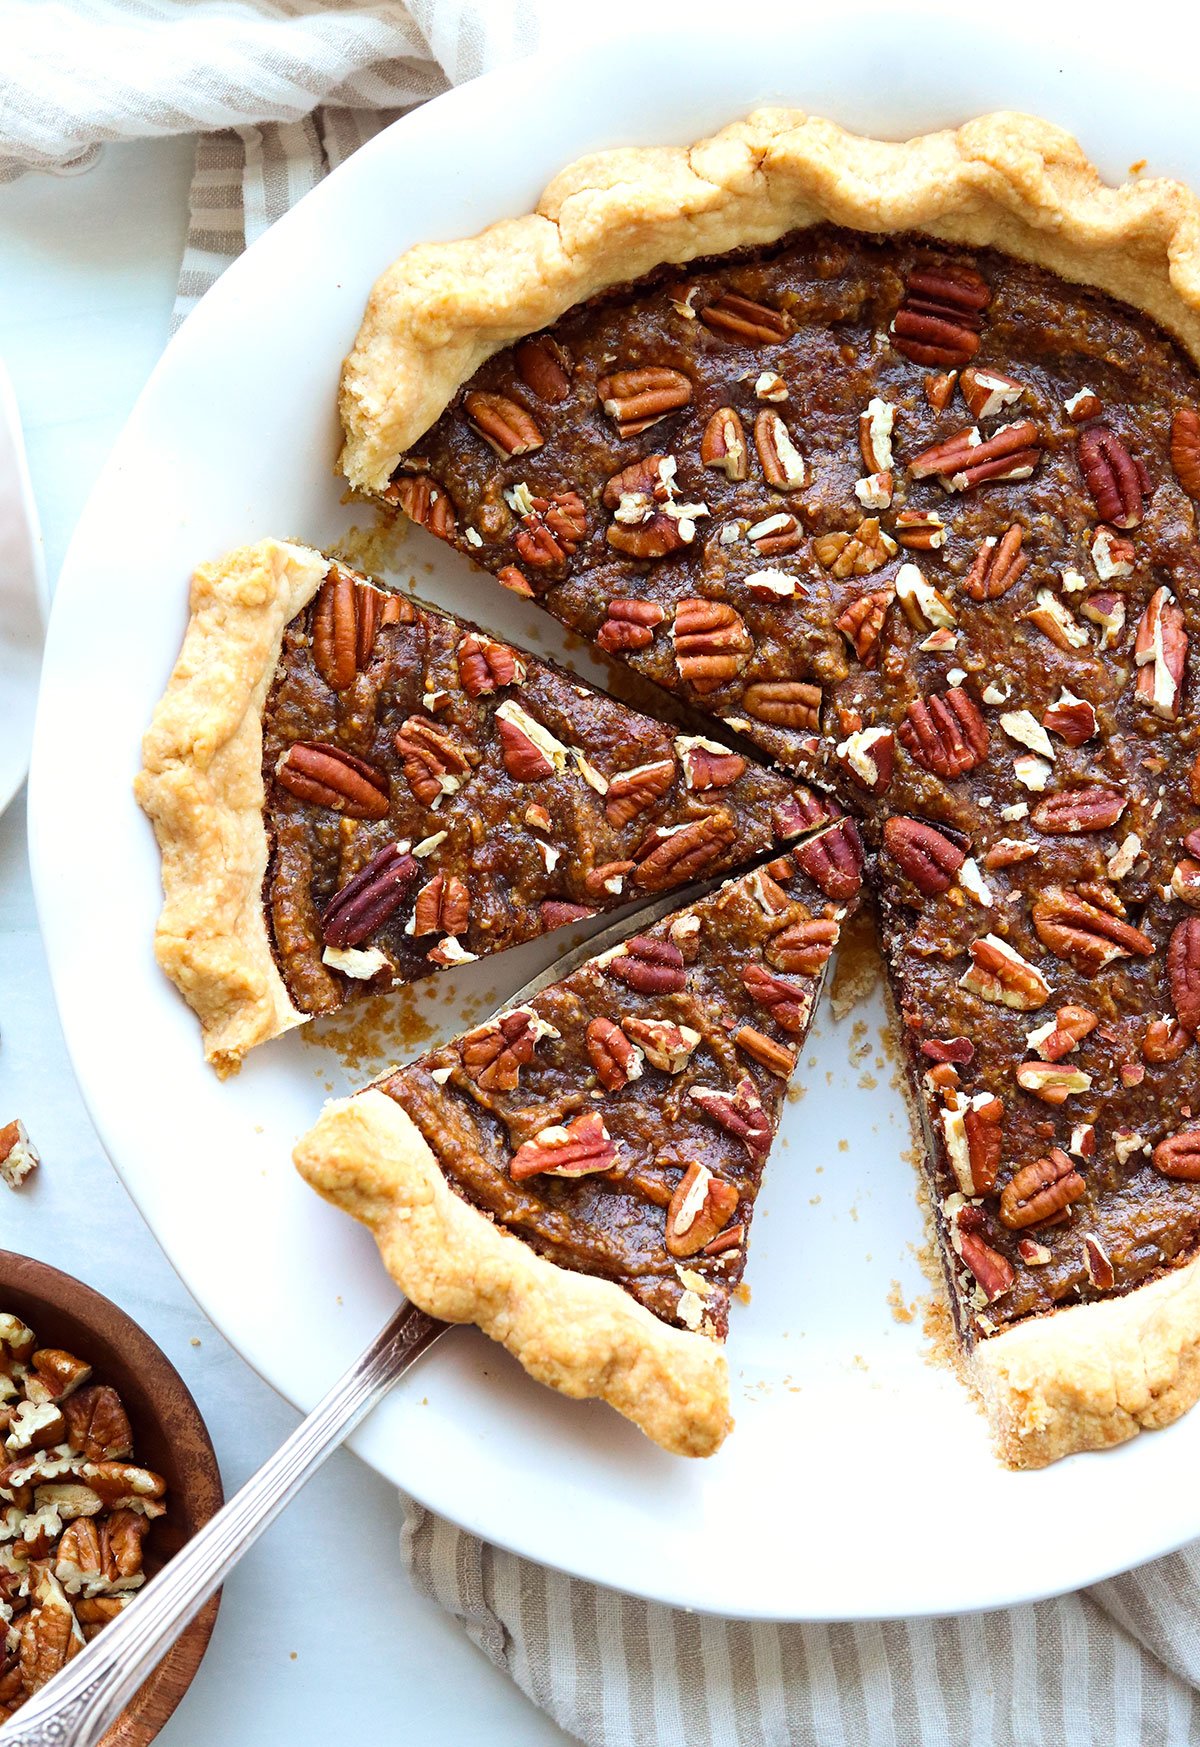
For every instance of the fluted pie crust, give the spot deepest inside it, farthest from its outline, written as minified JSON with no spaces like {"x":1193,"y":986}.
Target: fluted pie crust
{"x":1083,"y":1377}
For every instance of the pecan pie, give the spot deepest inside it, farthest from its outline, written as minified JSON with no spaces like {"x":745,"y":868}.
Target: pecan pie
{"x":577,"y":1175}
{"x":888,"y":456}
{"x":352,"y":790}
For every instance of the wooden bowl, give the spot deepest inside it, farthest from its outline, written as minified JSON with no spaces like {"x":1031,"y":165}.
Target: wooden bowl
{"x":169,"y":1437}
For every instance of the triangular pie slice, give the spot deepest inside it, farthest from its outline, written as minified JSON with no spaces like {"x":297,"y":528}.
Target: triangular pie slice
{"x":352,"y":790}
{"x":919,"y":517}
{"x":577,"y":1176}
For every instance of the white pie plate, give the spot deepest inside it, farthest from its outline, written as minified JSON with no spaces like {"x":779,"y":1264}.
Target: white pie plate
{"x":859,"y":1481}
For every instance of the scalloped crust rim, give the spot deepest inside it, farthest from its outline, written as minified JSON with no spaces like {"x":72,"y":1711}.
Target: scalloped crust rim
{"x":581,"y":1335}
{"x":1005,"y":180}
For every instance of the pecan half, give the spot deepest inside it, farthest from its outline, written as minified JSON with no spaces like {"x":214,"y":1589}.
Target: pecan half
{"x":673,"y":855}
{"x":788,"y":1003}
{"x":636,"y":399}
{"x":706,"y":764}
{"x":433,"y":762}
{"x":723,"y":444}
{"x":631,"y":791}
{"x":920,"y":530}
{"x":1093,"y":808}
{"x":629,"y":625}
{"x":1085,"y":935}
{"x":782,"y":463}
{"x":803,"y":948}
{"x":424,"y":501}
{"x":702,"y":1206}
{"x":1183,"y":968}
{"x":529,"y":750}
{"x":366,"y":902}
{"x":326,"y":776}
{"x":1185,"y":449}
{"x":928,"y":858}
{"x":777,"y":1058}
{"x":1000,"y":975}
{"x":861,"y":553}
{"x":1165,"y":1041}
{"x":739,"y":1112}
{"x":615,"y":1059}
{"x":940,"y":315}
{"x":740,"y":318}
{"x":652,"y":967}
{"x":862,"y":621}
{"x":1039,"y":1190}
{"x":551,"y":530}
{"x":503,"y":423}
{"x":784,"y":703}
{"x":1179,"y":1155}
{"x":964,"y":461}
{"x":833,"y":860}
{"x":1112,"y":476}
{"x":945,"y":734}
{"x":576,"y":1150}
{"x":540,"y":365}
{"x":443,"y":906}
{"x":712,"y":643}
{"x":1160,"y":653}
{"x":346,"y":617}
{"x":485,"y":666}
{"x":665,"y":1045}
{"x":997,"y":566}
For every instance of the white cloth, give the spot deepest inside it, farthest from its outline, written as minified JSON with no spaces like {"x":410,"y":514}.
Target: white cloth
{"x":281,"y":93}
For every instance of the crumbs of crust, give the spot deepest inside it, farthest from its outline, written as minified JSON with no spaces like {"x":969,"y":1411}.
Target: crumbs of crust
{"x":372,"y":1035}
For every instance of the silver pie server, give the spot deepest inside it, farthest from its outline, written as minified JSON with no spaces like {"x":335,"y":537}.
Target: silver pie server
{"x":85,"y":1698}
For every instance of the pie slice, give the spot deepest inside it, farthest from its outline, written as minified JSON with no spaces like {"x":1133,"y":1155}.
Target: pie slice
{"x":351,"y":791}
{"x":577,"y":1176}
{"x":775,"y":420}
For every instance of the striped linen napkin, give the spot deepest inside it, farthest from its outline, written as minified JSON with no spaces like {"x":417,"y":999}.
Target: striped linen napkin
{"x":280,"y":93}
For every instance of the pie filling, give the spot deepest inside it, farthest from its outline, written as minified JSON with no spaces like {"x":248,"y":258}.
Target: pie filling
{"x":922,"y":526}
{"x":434,"y":795}
{"x":620,"y":1122}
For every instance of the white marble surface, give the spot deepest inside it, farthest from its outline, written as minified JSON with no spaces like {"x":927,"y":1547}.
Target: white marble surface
{"x":319,"y":1635}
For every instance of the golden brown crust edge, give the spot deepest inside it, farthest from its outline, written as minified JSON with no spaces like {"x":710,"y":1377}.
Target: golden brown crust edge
{"x":1092,"y":1375}
{"x":581,"y":1335}
{"x":1006,"y":180}
{"x":201,"y":785}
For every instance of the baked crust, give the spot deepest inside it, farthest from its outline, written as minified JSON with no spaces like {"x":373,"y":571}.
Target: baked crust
{"x":1092,"y":1375}
{"x":201,"y":784}
{"x":1005,"y":180}
{"x":579,"y":1334}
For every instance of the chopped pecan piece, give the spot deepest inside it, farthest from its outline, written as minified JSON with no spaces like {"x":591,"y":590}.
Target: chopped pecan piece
{"x":1183,"y":968}
{"x":712,"y":643}
{"x":804,"y":947}
{"x":424,"y":501}
{"x":529,"y":750}
{"x":940,"y":315}
{"x":1161,"y":655}
{"x":1040,"y":1190}
{"x":1113,"y":477}
{"x":776,"y":534}
{"x":636,"y":399}
{"x":742,"y":319}
{"x":1185,"y":449}
{"x":1091,"y":808}
{"x":986,"y":392}
{"x":630,"y":624}
{"x":1064,"y":1033}
{"x":615,"y":1059}
{"x":503,"y":423}
{"x":1000,"y":975}
{"x":740,"y":1112}
{"x":782,"y":463}
{"x":326,"y":776}
{"x":368,"y":900}
{"x":1072,"y":719}
{"x":861,"y":553}
{"x":920,"y":530}
{"x":97,"y":1424}
{"x":485,"y":666}
{"x":541,"y":365}
{"x":18,"y":1155}
{"x":994,"y":1273}
{"x":707,"y":765}
{"x":945,"y":734}
{"x":868,"y":755}
{"x":1052,"y":1082}
{"x":1099,"y":1266}
{"x":788,"y":1003}
{"x":577,"y":1149}
{"x":1165,"y":1041}
{"x":1087,"y":936}
{"x":443,"y":906}
{"x":433,"y":762}
{"x":929,"y":858}
{"x":652,"y":967}
{"x":702,"y":1206}
{"x":494,"y":1054}
{"x":997,"y":567}
{"x":664,"y":1044}
{"x":723,"y":444}
{"x":777,"y":1058}
{"x":862,"y":621}
{"x":973,"y":1130}
{"x":631,"y":791}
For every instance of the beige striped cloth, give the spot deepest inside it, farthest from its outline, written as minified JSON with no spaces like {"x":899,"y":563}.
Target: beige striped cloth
{"x":280,"y":94}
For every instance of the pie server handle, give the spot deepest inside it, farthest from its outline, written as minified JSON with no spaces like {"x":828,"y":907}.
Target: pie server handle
{"x":84,"y":1699}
